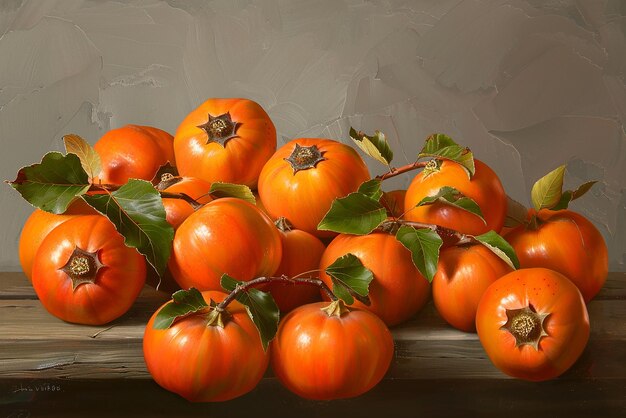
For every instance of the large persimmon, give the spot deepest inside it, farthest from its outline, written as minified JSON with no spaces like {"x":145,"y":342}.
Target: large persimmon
{"x":227,"y":235}
{"x":305,"y":175}
{"x":133,"y":151}
{"x":564,"y":241}
{"x":398,"y":290}
{"x":227,"y":140}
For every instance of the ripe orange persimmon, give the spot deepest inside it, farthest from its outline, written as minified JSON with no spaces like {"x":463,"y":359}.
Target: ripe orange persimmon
{"x":304,"y":176}
{"x":484,"y":188}
{"x":37,"y":227}
{"x":133,"y":151}
{"x":177,"y":210}
{"x":227,"y":235}
{"x":463,"y":274}
{"x":225,"y":140}
{"x":567,"y":242}
{"x":84,"y":273}
{"x":533,"y":323}
{"x":203,"y":361}
{"x":398,"y":290}
{"x":302,"y":253}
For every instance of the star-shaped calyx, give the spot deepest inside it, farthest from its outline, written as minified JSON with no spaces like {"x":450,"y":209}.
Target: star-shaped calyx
{"x":526,"y":325}
{"x":220,"y":128}
{"x":303,"y":158}
{"x":82,"y":267}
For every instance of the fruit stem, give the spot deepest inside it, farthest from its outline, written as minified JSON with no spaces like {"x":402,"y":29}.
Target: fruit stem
{"x":400,"y":170}
{"x":281,"y":279}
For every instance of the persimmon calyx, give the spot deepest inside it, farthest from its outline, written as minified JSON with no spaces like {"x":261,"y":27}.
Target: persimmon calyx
{"x":526,"y":325}
{"x":216,"y":316}
{"x":82,"y":267}
{"x":304,"y":158}
{"x":220,"y":128}
{"x":283,"y":224}
{"x":336,"y":308}
{"x":168,"y":180}
{"x":431,"y":167}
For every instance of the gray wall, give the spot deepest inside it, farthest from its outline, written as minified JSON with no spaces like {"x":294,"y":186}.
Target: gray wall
{"x":527,"y":84}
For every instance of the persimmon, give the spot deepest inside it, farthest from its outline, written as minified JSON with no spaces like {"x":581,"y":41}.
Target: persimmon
{"x":533,"y":323}
{"x":398,"y":290}
{"x":564,"y":241}
{"x":227,"y":140}
{"x":37,"y":227}
{"x":304,"y":176}
{"x":227,"y":235}
{"x":484,"y":188}
{"x":133,"y":151}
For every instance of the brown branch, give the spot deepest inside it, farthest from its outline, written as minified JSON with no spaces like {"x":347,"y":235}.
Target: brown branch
{"x":448,"y":236}
{"x":400,"y":170}
{"x":282,"y":279}
{"x":168,"y":195}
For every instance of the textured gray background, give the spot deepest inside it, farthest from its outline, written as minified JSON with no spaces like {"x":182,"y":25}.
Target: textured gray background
{"x":527,"y":84}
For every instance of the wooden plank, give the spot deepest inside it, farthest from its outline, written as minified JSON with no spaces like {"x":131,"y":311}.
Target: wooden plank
{"x":15,"y":285}
{"x":420,"y":359}
{"x":608,"y":320}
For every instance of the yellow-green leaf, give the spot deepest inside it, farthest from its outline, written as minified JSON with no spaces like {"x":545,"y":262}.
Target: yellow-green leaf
{"x":89,"y":158}
{"x":376,"y":146}
{"x":547,"y":191}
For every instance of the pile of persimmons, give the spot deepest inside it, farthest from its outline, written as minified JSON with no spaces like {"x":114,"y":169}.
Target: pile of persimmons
{"x":297,"y":257}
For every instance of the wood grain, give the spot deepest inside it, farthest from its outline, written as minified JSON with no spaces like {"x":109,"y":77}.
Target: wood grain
{"x":37,"y":345}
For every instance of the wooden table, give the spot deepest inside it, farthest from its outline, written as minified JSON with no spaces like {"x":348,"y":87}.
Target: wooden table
{"x":52,"y":368}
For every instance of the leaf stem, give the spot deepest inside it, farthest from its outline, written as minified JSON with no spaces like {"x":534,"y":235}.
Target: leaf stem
{"x":400,"y":170}
{"x":280,"y":279}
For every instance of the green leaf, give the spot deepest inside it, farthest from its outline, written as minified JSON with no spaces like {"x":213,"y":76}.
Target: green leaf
{"x":424,"y":245}
{"x":354,"y":214}
{"x":500,"y":247}
{"x":582,"y":189}
{"x":137,"y":211}
{"x":375,"y":146}
{"x":240,"y":191}
{"x":371,"y":188}
{"x":52,"y":184}
{"x":350,"y":279}
{"x":89,"y":158}
{"x":515,"y":213}
{"x":564,"y":201}
{"x":547,"y":191}
{"x":444,"y":147}
{"x":570,"y":195}
{"x":450,"y":195}
{"x":185,"y":302}
{"x":261,"y":308}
